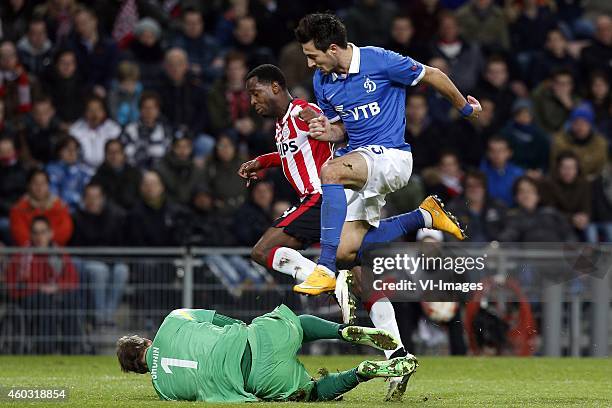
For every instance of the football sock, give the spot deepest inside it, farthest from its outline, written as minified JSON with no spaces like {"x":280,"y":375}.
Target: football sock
{"x":316,"y":328}
{"x":382,"y":315}
{"x":332,"y":385}
{"x":333,"y":213}
{"x":392,"y":228}
{"x":290,"y":262}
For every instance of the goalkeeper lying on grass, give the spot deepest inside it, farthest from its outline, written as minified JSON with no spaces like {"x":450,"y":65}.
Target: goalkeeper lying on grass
{"x":200,"y":355}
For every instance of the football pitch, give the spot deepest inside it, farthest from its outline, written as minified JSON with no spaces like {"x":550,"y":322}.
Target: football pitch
{"x":439,"y":382}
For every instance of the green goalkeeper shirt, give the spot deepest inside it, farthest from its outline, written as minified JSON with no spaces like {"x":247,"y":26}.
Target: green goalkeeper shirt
{"x":192,"y":359}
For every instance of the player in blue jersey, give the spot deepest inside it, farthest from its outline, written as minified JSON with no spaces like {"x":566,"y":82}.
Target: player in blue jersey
{"x":362,"y":92}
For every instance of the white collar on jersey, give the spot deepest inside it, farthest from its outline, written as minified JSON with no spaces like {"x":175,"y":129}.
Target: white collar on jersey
{"x":355,"y":63}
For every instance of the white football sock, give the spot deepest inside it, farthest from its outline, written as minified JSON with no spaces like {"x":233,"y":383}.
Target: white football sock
{"x":427,"y":218}
{"x":292,"y":263}
{"x":382,"y":315}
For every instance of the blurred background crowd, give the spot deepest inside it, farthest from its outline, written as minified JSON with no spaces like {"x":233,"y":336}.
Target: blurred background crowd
{"x":123,"y":123}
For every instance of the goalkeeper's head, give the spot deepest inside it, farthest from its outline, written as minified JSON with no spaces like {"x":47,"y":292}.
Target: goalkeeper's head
{"x":131,"y":351}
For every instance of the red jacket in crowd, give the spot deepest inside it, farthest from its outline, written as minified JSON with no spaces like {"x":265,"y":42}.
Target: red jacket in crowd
{"x":56,"y":212}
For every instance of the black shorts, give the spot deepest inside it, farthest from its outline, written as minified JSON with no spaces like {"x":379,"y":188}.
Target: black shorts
{"x":303,"y":220}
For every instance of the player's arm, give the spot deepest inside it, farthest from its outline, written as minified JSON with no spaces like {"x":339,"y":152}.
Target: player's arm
{"x":320,"y":128}
{"x":469,"y":108}
{"x":248,"y":170}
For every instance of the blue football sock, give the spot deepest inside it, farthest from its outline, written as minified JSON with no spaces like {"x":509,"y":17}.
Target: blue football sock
{"x":333,"y":213}
{"x":392,"y":228}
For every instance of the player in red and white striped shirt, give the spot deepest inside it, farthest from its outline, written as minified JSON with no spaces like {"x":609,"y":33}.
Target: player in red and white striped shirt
{"x":301,"y":159}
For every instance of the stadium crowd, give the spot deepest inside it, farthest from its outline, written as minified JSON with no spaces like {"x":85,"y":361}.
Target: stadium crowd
{"x":124,"y":122}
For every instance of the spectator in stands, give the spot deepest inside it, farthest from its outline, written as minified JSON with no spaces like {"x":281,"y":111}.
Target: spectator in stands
{"x":445,"y":179}
{"x":148,"y":139}
{"x":275,"y":21}
{"x":206,"y":226}
{"x":426,"y":15}
{"x":528,"y":31}
{"x":6,"y":127}
{"x":554,"y":55}
{"x":96,"y":54}
{"x":464,"y":58}
{"x":553,"y":102}
{"x":402,"y":39}
{"x":15,"y":83}
{"x":68,"y":176}
{"x":155,"y":221}
{"x":119,"y":180}
{"x":424,"y":136}
{"x":469,"y":137}
{"x":368,"y":21}
{"x":529,"y":143}
{"x":245,"y":34}
{"x":202,"y":49}
{"x":99,"y":223}
{"x":35,"y":48}
{"x":599,"y":96}
{"x":14,"y":17}
{"x":124,"y":94}
{"x":531,"y":222}
{"x":178,"y":171}
{"x":65,"y":86}
{"x":291,"y":62}
{"x":225,"y":184}
{"x":146,"y":50}
{"x":38,"y":200}
{"x":258,"y":210}
{"x":599,"y":54}
{"x":440,"y":110}
{"x":58,"y":18}
{"x":42,"y":129}
{"x":93,"y":130}
{"x":12,"y":183}
{"x":600,"y":229}
{"x":501,"y":173}
{"x":495,"y":85}
{"x":484,"y":22}
{"x":228,"y":100}
{"x":581,"y":138}
{"x":45,"y":286}
{"x":182,"y":95}
{"x":483,"y":215}
{"x":567,"y":191}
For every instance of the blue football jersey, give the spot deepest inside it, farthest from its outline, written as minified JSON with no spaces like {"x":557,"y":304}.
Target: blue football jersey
{"x":371,"y":99}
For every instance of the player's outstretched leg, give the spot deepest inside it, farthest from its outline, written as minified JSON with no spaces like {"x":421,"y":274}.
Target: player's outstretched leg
{"x":331,"y":386}
{"x":315,"y":328}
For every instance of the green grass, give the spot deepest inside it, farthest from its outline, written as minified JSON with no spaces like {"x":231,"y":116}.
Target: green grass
{"x":439,"y":382}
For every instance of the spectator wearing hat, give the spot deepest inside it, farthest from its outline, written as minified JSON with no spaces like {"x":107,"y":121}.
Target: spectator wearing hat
{"x":93,"y":130}
{"x":500,"y":171}
{"x":202,"y":50}
{"x":146,"y":50}
{"x":68,"y":176}
{"x":147,"y":140}
{"x":568,"y":191}
{"x":38,"y":200}
{"x":529,"y":143}
{"x":119,"y":179}
{"x":178,"y":171}
{"x":125,"y":94}
{"x":590,"y":147}
{"x":483,"y":215}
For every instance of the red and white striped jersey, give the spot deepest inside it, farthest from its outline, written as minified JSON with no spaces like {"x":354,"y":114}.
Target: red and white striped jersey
{"x":301,"y":156}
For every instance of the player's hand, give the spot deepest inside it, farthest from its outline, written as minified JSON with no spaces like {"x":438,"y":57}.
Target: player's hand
{"x":248,"y":170}
{"x":475,"y":105}
{"x":307,"y":114}
{"x":319,"y":127}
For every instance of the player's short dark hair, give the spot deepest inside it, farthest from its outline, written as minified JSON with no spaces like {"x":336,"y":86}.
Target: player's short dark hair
{"x":268,"y":73}
{"x":129,"y":354}
{"x":323,"y":29}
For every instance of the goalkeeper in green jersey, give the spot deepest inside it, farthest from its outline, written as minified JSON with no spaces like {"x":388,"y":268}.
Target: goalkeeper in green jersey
{"x":200,"y":355}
